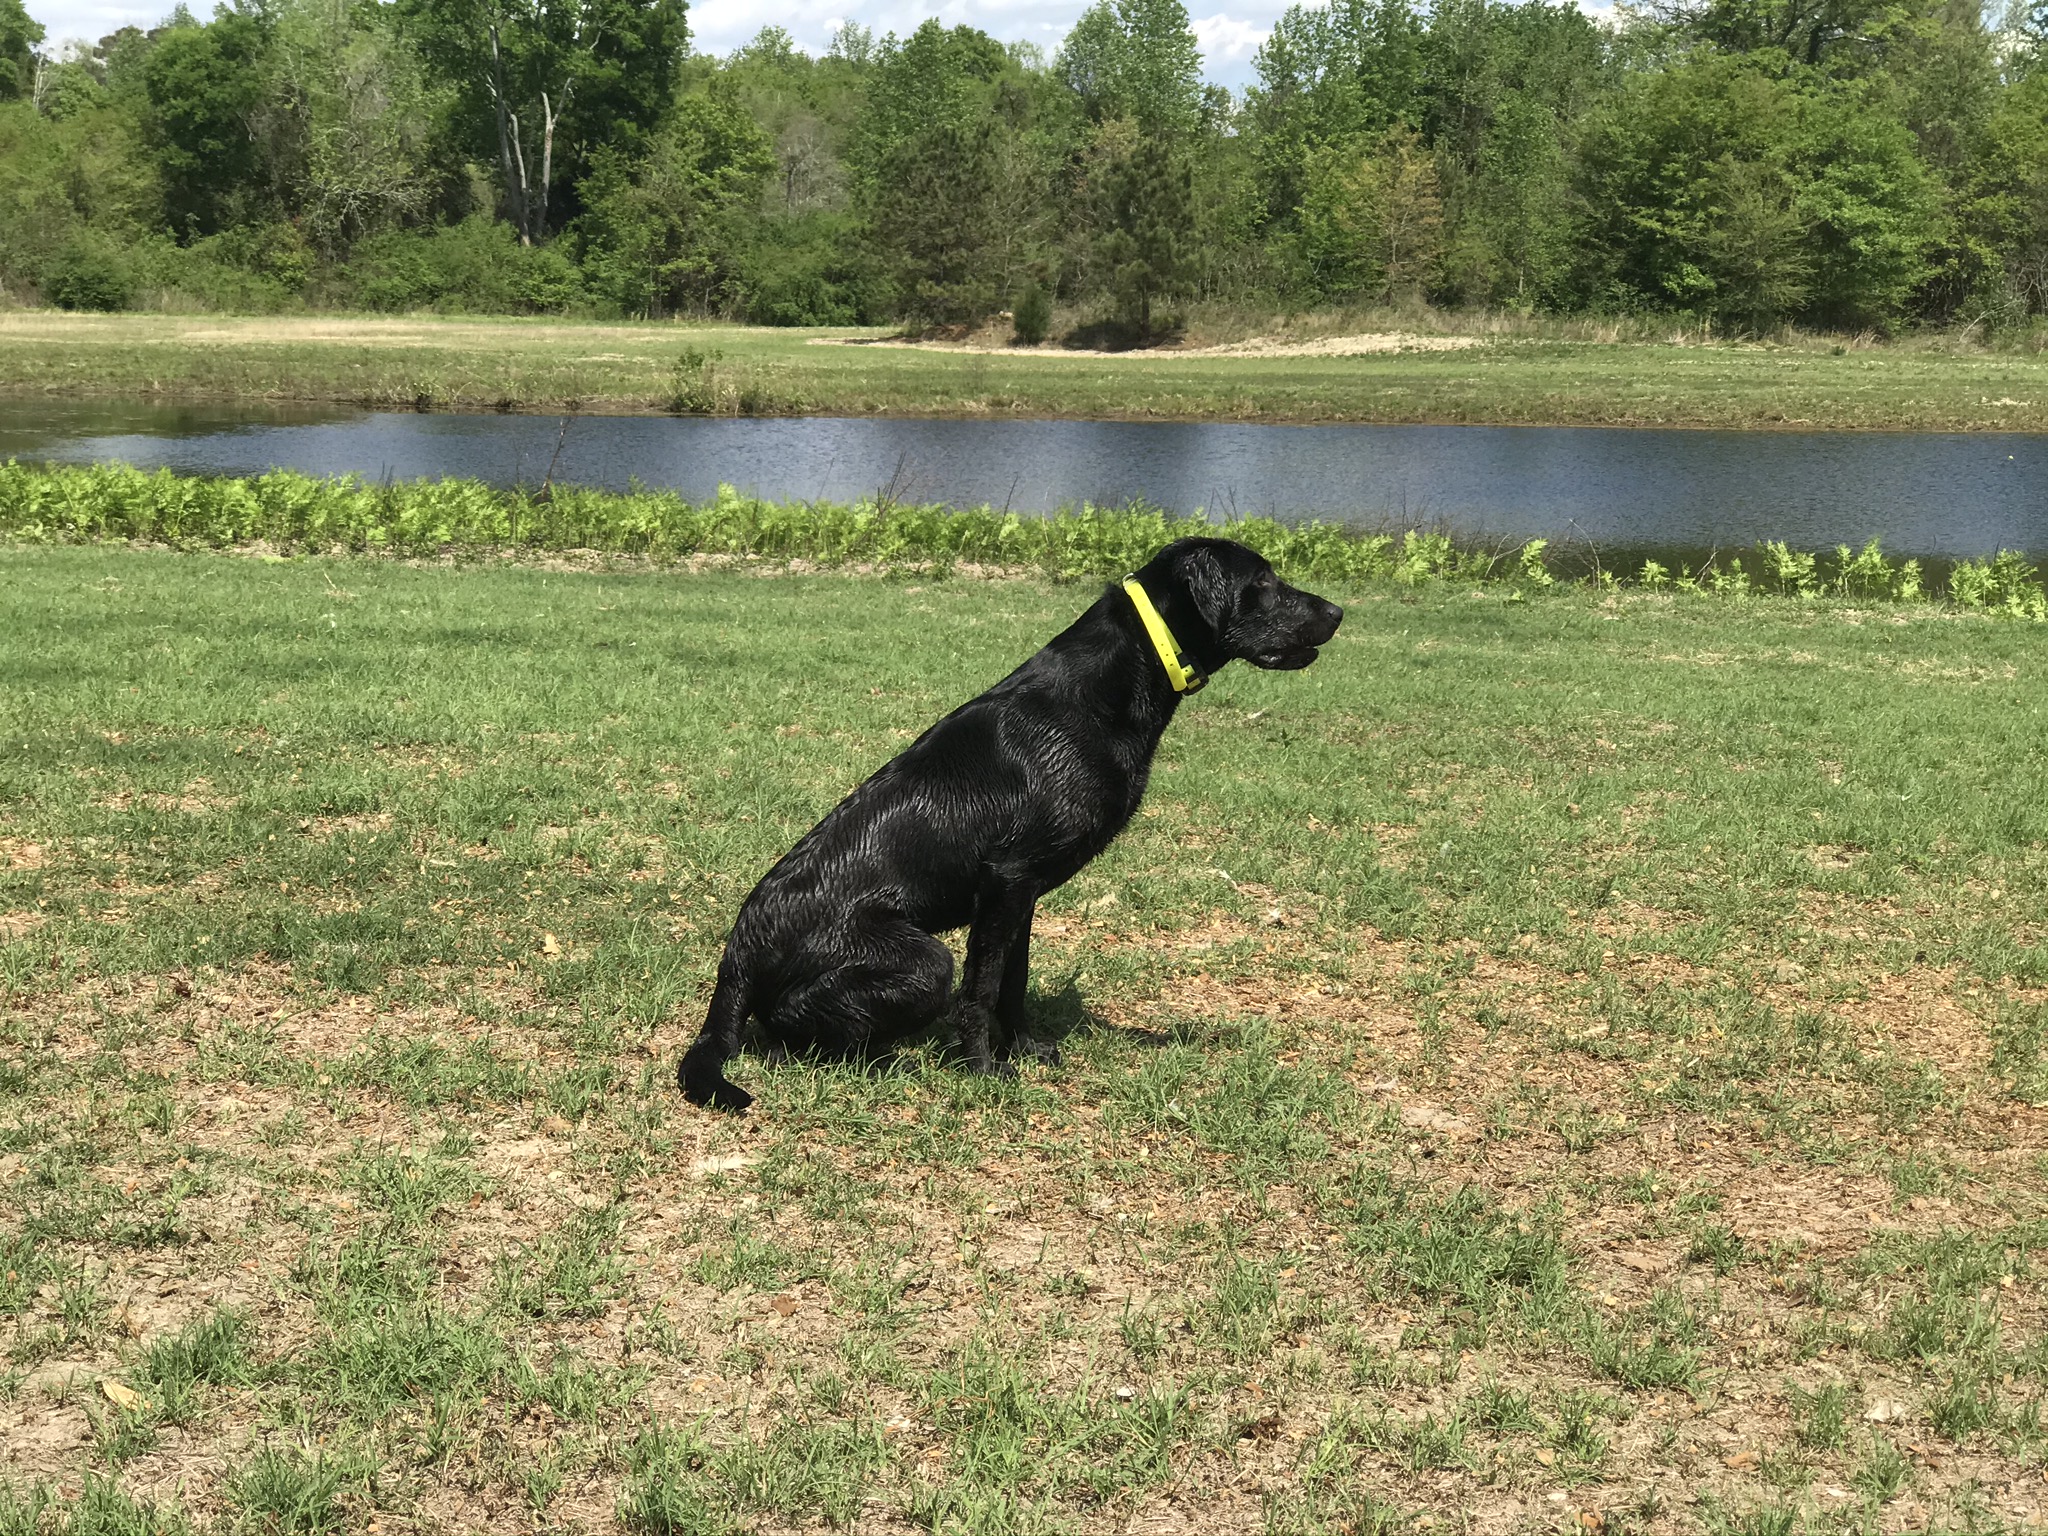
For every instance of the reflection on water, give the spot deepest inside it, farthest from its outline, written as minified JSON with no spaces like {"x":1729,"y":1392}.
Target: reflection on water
{"x":1921,"y":492}
{"x":32,"y":428}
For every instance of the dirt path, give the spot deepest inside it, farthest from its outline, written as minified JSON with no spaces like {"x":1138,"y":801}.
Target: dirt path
{"x":1263,"y":346}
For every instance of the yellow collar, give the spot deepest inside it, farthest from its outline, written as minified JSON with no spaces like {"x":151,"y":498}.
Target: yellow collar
{"x":1185,"y":678}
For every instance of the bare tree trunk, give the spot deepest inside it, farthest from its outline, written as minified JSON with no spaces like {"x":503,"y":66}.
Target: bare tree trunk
{"x":551,"y":114}
{"x":525,"y":190}
{"x":529,"y":196}
{"x":511,"y":159}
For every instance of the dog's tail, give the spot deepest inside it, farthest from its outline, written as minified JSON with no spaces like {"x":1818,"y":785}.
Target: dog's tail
{"x":702,"y":1072}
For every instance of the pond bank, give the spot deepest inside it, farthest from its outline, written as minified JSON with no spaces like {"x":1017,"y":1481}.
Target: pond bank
{"x":555,"y":367}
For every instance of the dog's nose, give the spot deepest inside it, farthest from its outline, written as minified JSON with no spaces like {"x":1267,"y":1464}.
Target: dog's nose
{"x":1332,"y":615}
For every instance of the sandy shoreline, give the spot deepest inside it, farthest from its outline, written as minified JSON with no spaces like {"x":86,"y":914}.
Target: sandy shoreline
{"x":1375,"y":342}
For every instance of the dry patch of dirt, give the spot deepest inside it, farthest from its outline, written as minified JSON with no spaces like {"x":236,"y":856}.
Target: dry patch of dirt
{"x":324,"y":829}
{"x":354,"y":330}
{"x":198,"y":798}
{"x":18,"y":854}
{"x":1370,"y":344}
{"x":1342,"y":346}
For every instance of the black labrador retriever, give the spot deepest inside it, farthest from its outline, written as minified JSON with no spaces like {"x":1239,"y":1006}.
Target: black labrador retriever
{"x":1003,"y":800}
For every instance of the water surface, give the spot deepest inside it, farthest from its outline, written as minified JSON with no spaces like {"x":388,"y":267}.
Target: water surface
{"x":1920,"y":492}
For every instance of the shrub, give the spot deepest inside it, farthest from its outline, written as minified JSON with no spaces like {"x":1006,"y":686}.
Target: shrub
{"x":475,"y":267}
{"x":86,"y":275}
{"x":1031,"y":318}
{"x":244,"y":271}
{"x":802,"y":298}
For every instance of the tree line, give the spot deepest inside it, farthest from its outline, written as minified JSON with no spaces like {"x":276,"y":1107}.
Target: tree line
{"x":1847,"y":164}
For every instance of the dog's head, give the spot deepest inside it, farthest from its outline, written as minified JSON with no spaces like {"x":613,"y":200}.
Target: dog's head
{"x":1224,"y":603}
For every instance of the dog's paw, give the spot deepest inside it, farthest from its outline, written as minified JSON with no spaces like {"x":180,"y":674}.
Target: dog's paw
{"x":730,"y":1098}
{"x":710,"y":1090}
{"x":727,"y":1098}
{"x":1045,"y":1052}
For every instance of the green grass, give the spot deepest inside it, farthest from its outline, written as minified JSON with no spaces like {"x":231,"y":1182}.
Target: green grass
{"x":1575,"y":372}
{"x":211,"y":1352}
{"x":1568,"y":1042}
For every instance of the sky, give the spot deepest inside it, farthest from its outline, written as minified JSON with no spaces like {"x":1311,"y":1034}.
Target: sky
{"x":1228,"y":38}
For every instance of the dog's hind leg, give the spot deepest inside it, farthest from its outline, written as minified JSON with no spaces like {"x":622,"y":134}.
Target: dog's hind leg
{"x":701,"y":1073}
{"x":892,"y":983}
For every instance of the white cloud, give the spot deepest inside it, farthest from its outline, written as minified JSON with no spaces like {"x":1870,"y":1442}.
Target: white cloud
{"x":1227,"y":40}
{"x":722,"y":27}
{"x":85,"y":21}
{"x":1228,"y":43}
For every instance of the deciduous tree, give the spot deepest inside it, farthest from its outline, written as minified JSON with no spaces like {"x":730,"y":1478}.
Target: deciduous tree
{"x":538,"y":85}
{"x":204,"y":89}
{"x":1136,"y":59}
{"x":1373,"y":218}
{"x":19,"y":35}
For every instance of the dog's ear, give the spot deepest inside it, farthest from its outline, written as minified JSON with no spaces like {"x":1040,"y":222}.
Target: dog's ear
{"x":1208,"y":586}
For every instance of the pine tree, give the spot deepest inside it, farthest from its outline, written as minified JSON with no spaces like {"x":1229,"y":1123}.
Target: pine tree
{"x":1149,"y":218}
{"x":931,"y":211}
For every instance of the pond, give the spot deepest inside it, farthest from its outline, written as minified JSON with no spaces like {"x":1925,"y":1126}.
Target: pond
{"x":1925,"y":493}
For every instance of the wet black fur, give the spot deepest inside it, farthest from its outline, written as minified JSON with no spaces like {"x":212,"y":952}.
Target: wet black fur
{"x":1004,"y":799}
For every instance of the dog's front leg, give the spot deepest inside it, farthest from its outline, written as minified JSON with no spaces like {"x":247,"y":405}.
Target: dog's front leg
{"x":997,"y":943}
{"x":1020,"y":1041}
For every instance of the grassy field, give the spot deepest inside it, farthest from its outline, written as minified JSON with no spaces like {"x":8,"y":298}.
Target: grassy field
{"x":1576,"y":1064}
{"x":545,"y":365}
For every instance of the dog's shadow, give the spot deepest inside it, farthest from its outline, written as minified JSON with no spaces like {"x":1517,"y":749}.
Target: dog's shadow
{"x":1052,"y":1022}
{"x":1059,"y":1019}
{"x":1064,"y":1017}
